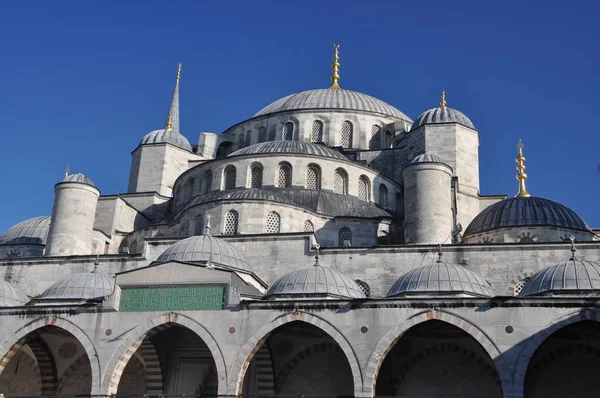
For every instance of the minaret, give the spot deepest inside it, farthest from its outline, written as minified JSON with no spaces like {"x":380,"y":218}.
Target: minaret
{"x":335,"y":77}
{"x":172,"y":123}
{"x":521,"y":169}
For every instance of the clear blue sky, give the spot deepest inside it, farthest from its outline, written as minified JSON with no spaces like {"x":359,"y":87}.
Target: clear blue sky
{"x":83,"y":81}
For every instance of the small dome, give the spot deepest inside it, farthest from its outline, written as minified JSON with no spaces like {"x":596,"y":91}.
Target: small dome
{"x":29,"y":232}
{"x":315,"y":280}
{"x":525,"y":211}
{"x":287,"y":147}
{"x":10,"y":296}
{"x":332,"y":99}
{"x":80,"y":287}
{"x":427,"y":158}
{"x":439,"y":278}
{"x":204,"y":248}
{"x":80,"y":178}
{"x":163,"y":136}
{"x":571,"y":276}
{"x":440,"y":116}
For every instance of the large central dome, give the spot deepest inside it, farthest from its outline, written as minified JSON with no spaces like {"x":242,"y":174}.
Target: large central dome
{"x":332,"y":99}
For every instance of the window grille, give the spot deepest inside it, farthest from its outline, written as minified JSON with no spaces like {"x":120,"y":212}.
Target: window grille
{"x":262,"y":134}
{"x":375,"y":137}
{"x":312,"y":178}
{"x":344,"y":235}
{"x":273,"y":223}
{"x":284,"y":179}
{"x":383,"y":196}
{"x":317,"y":131}
{"x":231,"y":223}
{"x":256,"y":177}
{"x":240,"y":141}
{"x":248,"y":137}
{"x":288,"y":131}
{"x":199,"y":225}
{"x":347,"y":134}
{"x":308,"y":226}
{"x":364,"y":287}
{"x":519,"y":286}
{"x":363,"y":189}
{"x":339,"y":182}
{"x":230,"y":176}
{"x":207,"y":184}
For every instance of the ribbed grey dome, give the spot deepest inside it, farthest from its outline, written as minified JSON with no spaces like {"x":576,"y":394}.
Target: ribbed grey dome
{"x":80,"y":178}
{"x":81,"y":286}
{"x":29,"y":232}
{"x":442,"y":115}
{"x":290,"y":147}
{"x":332,"y":99}
{"x":315,"y":280}
{"x":204,"y":248}
{"x":439,"y":278}
{"x":568,"y":277}
{"x":531,"y":211}
{"x":163,"y":136}
{"x":427,"y":158}
{"x":10,"y":296}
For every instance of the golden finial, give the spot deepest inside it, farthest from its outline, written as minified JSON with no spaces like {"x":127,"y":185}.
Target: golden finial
{"x":521,"y":176}
{"x":335,"y":68}
{"x":169,"y":123}
{"x":67,"y":171}
{"x":443,"y":101}
{"x":178,"y":71}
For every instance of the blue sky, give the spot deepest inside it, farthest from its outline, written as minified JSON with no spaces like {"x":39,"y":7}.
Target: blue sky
{"x":82,"y":82}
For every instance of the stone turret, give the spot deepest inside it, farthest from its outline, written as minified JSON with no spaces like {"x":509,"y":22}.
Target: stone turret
{"x":73,"y":214}
{"x":427,"y":201}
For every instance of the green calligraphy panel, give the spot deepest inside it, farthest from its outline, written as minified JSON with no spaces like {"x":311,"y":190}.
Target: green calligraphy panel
{"x":172,"y":298}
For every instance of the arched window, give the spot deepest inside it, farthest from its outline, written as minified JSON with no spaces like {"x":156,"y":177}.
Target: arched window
{"x":240,"y":141}
{"x":248,"y":137}
{"x":345,"y":237}
{"x":375,"y":142}
{"x":364,"y":286}
{"x":133,"y":248}
{"x":199,"y":225}
{"x":273,"y":223}
{"x":231,"y":223}
{"x":340,"y":182}
{"x":519,"y":286}
{"x":388,"y":139}
{"x":224,"y":149}
{"x":383,"y":196}
{"x":317,"y":131}
{"x":183,"y":230}
{"x":229,"y":176}
{"x":207,"y":182}
{"x":190,"y":188}
{"x":313,"y":178}
{"x":347,"y":134}
{"x":272,"y":134}
{"x":363,"y":188}
{"x":288,"y":131}
{"x":256,"y":176}
{"x":262,"y":134}
{"x":308,"y":226}
{"x":284,"y":177}
{"x":178,"y":198}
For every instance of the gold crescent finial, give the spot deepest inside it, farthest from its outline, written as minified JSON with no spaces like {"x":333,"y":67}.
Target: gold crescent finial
{"x":169,"y":123}
{"x":67,"y":171}
{"x":178,"y":71}
{"x":521,"y":169}
{"x":335,"y":77}
{"x":443,"y":101}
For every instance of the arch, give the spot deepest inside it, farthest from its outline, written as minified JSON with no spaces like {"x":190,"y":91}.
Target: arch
{"x":347,"y":134}
{"x":229,"y":178}
{"x":46,"y":365}
{"x":364,"y":286}
{"x":207,"y":182}
{"x":308,"y":226}
{"x":364,"y":188}
{"x":231,"y":224}
{"x":287,"y":133}
{"x":76,"y":365}
{"x":375,"y":142}
{"x":383,"y":196}
{"x":254,"y":342}
{"x":316,"y":134}
{"x":284,"y":175}
{"x":256,"y":175}
{"x":240,"y":141}
{"x":389,"y":340}
{"x":224,"y":149}
{"x":340,"y":181}
{"x":190,"y":184}
{"x":19,"y":360}
{"x":12,"y":345}
{"x":199,"y":224}
{"x":313,"y":177}
{"x":121,"y":356}
{"x":273,"y":225}
{"x":262,"y":134}
{"x":248,"y":138}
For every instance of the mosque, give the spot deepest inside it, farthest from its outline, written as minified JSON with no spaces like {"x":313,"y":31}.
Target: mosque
{"x":328,"y":245}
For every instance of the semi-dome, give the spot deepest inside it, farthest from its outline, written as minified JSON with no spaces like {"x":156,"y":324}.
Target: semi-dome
{"x":79,"y":178}
{"x":289,"y":147}
{"x":164,"y":136}
{"x":442,"y":115}
{"x":11,"y":296}
{"x":29,"y":232}
{"x":525,"y":211}
{"x":315,"y":281}
{"x":427,"y":158}
{"x":85,"y":286}
{"x":440,"y":278}
{"x":573,"y":276}
{"x":204,"y":248}
{"x":333,"y":99}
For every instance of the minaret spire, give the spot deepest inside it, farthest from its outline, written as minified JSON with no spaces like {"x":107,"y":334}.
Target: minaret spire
{"x":521,"y":176}
{"x":443,"y":101}
{"x":172,"y":123}
{"x":335,"y":77}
